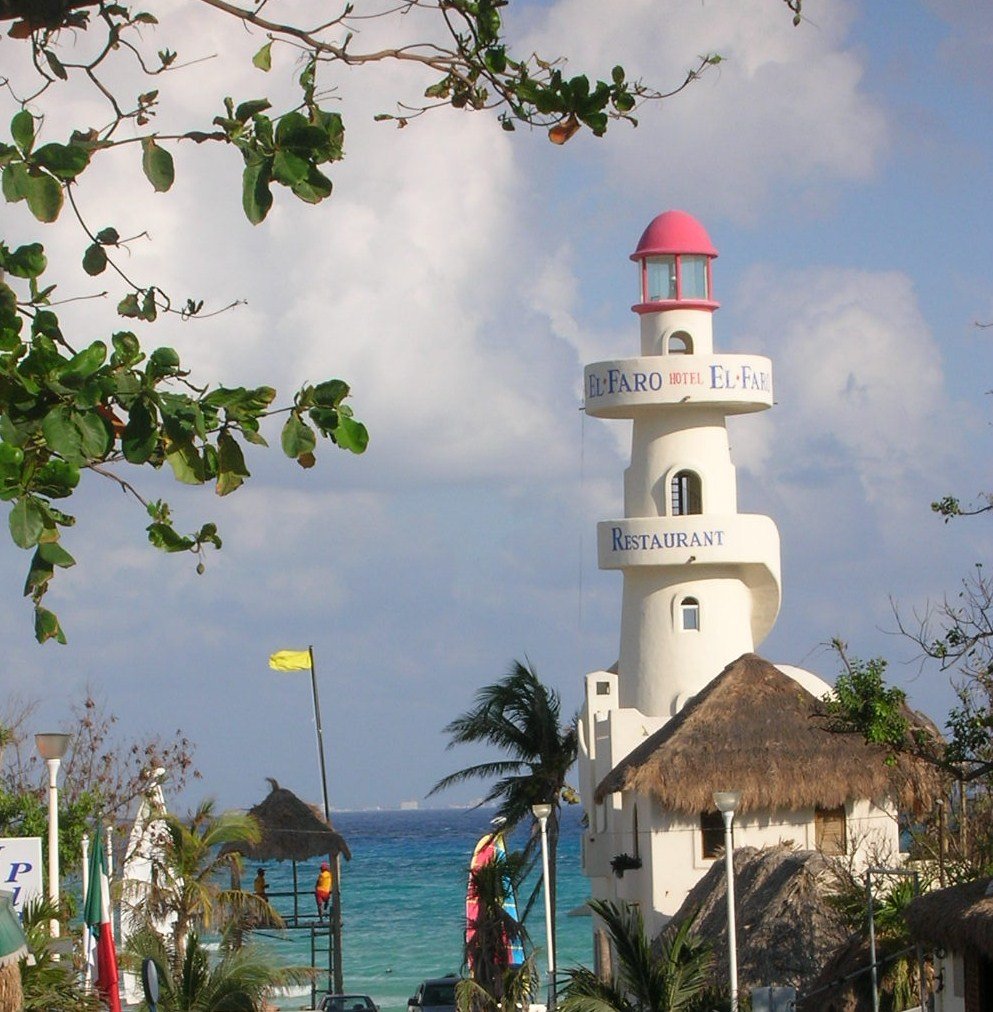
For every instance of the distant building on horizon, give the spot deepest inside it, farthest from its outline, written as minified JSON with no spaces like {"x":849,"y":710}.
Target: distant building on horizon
{"x":689,"y":708}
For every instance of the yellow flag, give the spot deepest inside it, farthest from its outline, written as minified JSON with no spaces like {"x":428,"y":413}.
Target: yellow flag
{"x":290,"y":660}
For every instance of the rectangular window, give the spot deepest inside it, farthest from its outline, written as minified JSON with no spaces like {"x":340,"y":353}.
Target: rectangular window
{"x":693,"y":278}
{"x":711,"y":833}
{"x":660,"y":279}
{"x":830,"y":833}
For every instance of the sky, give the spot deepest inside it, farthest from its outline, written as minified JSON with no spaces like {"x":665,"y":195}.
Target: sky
{"x":459,"y":278}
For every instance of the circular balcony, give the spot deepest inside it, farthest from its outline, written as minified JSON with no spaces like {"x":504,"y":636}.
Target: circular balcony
{"x":628,"y":387}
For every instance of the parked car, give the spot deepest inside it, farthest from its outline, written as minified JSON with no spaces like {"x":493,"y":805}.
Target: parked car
{"x":347,"y":1003}
{"x":435,"y":995}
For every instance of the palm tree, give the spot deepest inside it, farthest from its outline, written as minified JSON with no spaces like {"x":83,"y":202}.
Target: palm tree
{"x":186,"y":890}
{"x":493,"y":930}
{"x":239,"y":981}
{"x":522,"y":717}
{"x":672,"y":981}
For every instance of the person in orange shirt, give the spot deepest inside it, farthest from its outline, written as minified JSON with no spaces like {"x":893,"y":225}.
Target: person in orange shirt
{"x":322,"y":890}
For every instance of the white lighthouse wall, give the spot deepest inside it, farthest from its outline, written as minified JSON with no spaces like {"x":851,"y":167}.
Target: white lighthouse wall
{"x":662,"y":664}
{"x":657,"y":328}
{"x":669,"y":442}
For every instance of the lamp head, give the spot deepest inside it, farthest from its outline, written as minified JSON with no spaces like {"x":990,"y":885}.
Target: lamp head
{"x":51,"y":746}
{"x":727,"y":801}
{"x":541,"y":812}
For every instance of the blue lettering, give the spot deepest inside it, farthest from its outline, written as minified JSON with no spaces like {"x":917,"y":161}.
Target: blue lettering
{"x":18,"y":868}
{"x":625,"y":386}
{"x":639,"y":382}
{"x":612,"y":375}
{"x":615,"y":533}
{"x":681,"y":539}
{"x":655,"y":381}
{"x":716,"y":378}
{"x":708,"y":537}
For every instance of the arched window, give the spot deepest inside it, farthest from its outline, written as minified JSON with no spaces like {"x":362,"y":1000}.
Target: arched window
{"x":680,"y":343}
{"x":687,"y":494}
{"x":689,"y":613}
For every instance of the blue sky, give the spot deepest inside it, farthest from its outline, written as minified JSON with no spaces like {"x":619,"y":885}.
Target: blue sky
{"x":460,"y":278}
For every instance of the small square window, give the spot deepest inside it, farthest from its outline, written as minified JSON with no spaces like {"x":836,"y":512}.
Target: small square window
{"x":603,"y":688}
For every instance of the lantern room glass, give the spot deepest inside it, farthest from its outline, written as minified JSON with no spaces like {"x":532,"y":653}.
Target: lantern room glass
{"x":660,"y":279}
{"x":693,"y":277}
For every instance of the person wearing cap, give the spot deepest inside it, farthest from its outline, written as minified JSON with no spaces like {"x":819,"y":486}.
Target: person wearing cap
{"x":322,"y":890}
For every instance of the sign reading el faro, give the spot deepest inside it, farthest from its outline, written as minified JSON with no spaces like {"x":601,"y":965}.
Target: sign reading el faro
{"x":620,"y":387}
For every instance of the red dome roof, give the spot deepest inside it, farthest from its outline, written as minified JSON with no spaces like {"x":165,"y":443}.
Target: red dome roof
{"x":674,"y":232}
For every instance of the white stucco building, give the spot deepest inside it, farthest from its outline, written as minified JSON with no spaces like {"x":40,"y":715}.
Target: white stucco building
{"x":688,"y":708}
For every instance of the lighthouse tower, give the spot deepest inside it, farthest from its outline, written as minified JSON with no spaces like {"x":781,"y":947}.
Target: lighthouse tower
{"x":689,"y":708}
{"x":701,"y":581}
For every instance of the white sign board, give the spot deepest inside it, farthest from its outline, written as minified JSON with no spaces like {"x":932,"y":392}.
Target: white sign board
{"x":20,"y":868}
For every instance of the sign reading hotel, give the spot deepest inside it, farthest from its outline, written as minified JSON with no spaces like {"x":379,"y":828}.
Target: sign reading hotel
{"x":20,"y":868}
{"x":740,"y":382}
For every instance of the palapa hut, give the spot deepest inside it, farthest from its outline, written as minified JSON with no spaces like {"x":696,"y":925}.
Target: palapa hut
{"x":291,"y":830}
{"x":957,"y":923}
{"x":755,"y":729}
{"x":786,"y":928}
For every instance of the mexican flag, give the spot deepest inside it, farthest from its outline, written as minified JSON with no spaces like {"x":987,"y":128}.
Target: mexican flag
{"x":101,"y":957}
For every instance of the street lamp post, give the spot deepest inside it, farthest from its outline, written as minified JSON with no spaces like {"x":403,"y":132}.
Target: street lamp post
{"x":727,"y":802}
{"x":52,"y":747}
{"x":541,"y":813}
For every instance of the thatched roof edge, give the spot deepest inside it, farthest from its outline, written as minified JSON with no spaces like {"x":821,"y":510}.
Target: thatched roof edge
{"x":959,"y":917}
{"x":755,"y":728}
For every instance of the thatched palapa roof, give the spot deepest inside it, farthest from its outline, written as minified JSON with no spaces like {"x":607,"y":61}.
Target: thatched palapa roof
{"x":292,"y":830}
{"x":756,"y":729}
{"x":959,"y":917}
{"x":786,"y":928}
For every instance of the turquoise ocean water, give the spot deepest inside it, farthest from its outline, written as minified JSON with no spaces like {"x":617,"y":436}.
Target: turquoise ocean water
{"x":403,"y":900}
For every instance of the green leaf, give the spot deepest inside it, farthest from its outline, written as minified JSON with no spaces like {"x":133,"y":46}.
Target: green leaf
{"x":185,"y":462}
{"x":140,"y":434}
{"x":26,"y":261}
{"x":256,"y":197}
{"x":289,"y":168}
{"x":164,"y":360}
{"x":128,"y":306}
{"x":77,"y":436}
{"x":14,"y":182}
{"x":55,"y":65}
{"x":56,"y":479}
{"x":157,"y":165}
{"x":330,"y":393}
{"x":53,"y":553}
{"x":46,"y":626}
{"x":263,"y":58}
{"x":63,"y":160}
{"x":86,"y":362}
{"x":44,"y":196}
{"x":94,"y":260}
{"x":108,"y":236}
{"x":26,"y":522}
{"x":350,"y":434}
{"x":297,"y":437}
{"x":246,"y":110}
{"x":127,"y":350}
{"x":314,"y":188}
{"x":231,"y":469}
{"x":22,"y":130}
{"x":163,"y":536}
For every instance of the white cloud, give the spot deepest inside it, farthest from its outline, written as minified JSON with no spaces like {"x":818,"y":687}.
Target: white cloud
{"x":783,"y":114}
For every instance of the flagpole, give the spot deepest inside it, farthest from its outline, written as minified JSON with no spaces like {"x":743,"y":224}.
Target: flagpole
{"x":320,"y":736}
{"x":336,"y":911}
